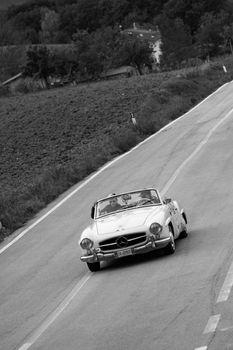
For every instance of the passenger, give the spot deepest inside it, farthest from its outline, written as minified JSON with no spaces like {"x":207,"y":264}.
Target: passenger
{"x":112,"y":206}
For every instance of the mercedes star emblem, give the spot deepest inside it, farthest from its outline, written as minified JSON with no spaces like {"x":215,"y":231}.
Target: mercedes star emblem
{"x":122,"y":242}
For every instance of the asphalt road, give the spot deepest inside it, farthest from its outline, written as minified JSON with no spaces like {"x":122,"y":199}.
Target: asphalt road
{"x":49,"y":300}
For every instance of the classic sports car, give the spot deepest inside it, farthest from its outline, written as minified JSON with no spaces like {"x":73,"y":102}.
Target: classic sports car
{"x":131,"y":223}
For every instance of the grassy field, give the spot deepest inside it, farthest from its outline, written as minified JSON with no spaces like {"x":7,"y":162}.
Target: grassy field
{"x":52,"y":139}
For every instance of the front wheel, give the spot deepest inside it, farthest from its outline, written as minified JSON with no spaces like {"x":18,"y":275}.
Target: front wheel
{"x":93,"y":267}
{"x":171,"y":247}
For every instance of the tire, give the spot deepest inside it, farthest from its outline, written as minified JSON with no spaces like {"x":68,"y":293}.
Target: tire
{"x":171,"y":247}
{"x":183,"y":234}
{"x":93,"y":267}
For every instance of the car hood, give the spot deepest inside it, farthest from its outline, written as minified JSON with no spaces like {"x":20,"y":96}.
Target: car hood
{"x":125,"y":220}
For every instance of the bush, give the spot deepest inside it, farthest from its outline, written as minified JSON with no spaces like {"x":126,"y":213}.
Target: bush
{"x":21,"y":87}
{"x":177,"y":106}
{"x":4,"y":91}
{"x":152,"y":114}
{"x":123,"y":140}
{"x":27,"y":85}
{"x":151,"y":123}
{"x":180,"y":86}
{"x":192,"y":73}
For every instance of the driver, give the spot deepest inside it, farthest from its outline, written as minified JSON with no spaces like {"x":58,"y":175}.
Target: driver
{"x":112,"y":206}
{"x":146,"y":194}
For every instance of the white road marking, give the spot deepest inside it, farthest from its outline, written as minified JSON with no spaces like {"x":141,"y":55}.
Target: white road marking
{"x":212,"y":324}
{"x":227,"y":285}
{"x":25,"y":346}
{"x":53,"y":316}
{"x":226,"y":329}
{"x":29,"y":228}
{"x":197,"y":149}
{"x":202,"y":348}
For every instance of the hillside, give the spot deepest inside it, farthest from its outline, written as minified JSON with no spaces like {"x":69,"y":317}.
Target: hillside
{"x":52,"y":139}
{"x":44,"y":129}
{"x":55,"y":138}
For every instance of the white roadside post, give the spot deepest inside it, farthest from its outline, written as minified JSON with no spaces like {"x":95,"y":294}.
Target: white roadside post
{"x":133,"y":119}
{"x":224,"y":69}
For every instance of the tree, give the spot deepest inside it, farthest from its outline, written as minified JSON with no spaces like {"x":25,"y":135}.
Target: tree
{"x":87,"y":15}
{"x":38,"y":64}
{"x":12,"y":59}
{"x":106,"y":42}
{"x":108,"y":48}
{"x":176,"y":42}
{"x":27,"y":25}
{"x":68,"y":19}
{"x":134,"y":51}
{"x":28,"y":6}
{"x":95,"y":51}
{"x":228,"y":36}
{"x":7,"y":34}
{"x":64,"y":61}
{"x":210,"y":36}
{"x":113,"y":12}
{"x":49,"y":26}
{"x":88,"y":58}
{"x":191,"y":11}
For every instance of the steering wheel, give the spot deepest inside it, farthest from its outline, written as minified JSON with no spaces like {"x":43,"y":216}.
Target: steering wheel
{"x":144,"y":201}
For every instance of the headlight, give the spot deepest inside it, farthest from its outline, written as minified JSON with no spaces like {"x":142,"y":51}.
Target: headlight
{"x":155,"y":228}
{"x":86,"y":243}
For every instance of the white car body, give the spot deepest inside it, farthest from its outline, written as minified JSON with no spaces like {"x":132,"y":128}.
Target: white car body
{"x":128,"y":230}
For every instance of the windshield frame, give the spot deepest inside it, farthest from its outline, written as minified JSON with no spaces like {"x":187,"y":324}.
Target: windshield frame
{"x":126,"y":207}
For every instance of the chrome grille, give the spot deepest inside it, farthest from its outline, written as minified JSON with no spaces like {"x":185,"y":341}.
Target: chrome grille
{"x":123,"y":241}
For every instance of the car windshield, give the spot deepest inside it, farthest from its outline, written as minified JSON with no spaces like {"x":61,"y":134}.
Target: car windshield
{"x":125,"y":201}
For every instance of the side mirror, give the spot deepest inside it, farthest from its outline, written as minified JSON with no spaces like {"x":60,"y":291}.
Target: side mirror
{"x":167,"y":200}
{"x":92,"y":212}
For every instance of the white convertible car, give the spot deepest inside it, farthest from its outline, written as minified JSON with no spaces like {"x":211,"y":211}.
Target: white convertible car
{"x":131,"y":223}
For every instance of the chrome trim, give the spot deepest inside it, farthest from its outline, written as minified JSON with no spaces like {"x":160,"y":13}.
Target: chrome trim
{"x":163,"y":240}
{"x":132,"y":238}
{"x":152,"y":244}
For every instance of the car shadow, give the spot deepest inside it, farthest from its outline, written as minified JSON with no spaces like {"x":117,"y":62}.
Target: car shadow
{"x":129,"y":261}
{"x":156,"y":255}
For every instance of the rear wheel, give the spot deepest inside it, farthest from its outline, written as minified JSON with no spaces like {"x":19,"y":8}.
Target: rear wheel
{"x":171,"y":247}
{"x":93,"y":267}
{"x":184,"y":233}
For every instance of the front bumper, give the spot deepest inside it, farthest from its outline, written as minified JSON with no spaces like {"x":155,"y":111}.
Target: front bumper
{"x":152,"y":244}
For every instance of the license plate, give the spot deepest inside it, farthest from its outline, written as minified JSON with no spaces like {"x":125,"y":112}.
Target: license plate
{"x":125,"y":252}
